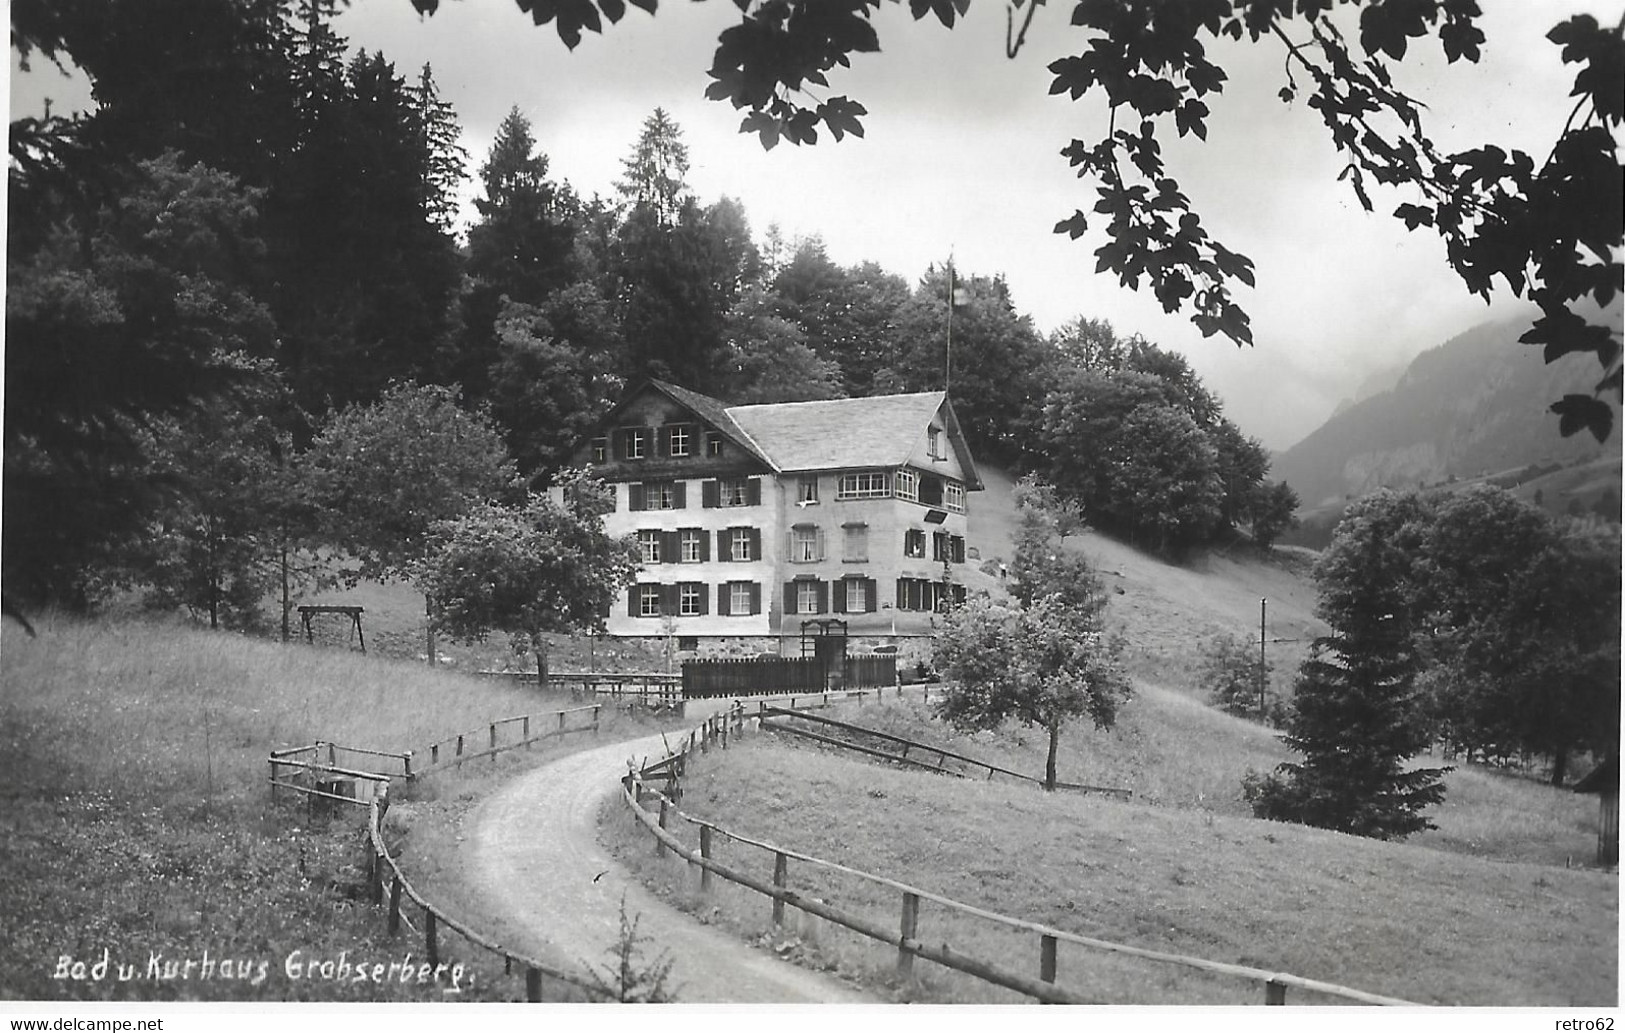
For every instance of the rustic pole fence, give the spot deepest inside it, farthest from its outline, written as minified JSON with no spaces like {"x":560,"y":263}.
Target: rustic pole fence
{"x":906,"y":938}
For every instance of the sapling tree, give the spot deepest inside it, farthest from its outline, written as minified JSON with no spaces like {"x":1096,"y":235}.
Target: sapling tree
{"x":545,"y":567}
{"x":1046,"y":659}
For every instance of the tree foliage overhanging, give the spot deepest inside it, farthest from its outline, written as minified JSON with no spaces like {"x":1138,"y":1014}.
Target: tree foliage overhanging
{"x":1551,"y":230}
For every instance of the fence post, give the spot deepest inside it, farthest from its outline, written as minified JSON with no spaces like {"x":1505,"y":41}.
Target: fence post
{"x":434,"y":755}
{"x":406,"y":765}
{"x":1046,"y":958}
{"x":724,"y":731}
{"x":533,"y":985}
{"x":431,"y":943}
{"x":493,"y":742}
{"x":660,"y":844}
{"x":909,"y":926}
{"x":780,"y":866}
{"x":459,"y":746}
{"x":561,"y":721}
{"x":705,"y":853}
{"x":595,"y":720}
{"x":395,"y":905}
{"x":332,"y":755}
{"x":272,"y":762}
{"x":1274,"y":993}
{"x":524,"y":730}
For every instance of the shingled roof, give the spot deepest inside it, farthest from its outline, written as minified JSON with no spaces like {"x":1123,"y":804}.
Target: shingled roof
{"x":844,"y":433}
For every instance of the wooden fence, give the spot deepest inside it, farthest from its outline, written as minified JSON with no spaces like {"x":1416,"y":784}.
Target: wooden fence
{"x":652,"y":688}
{"x":315,"y":772}
{"x":716,"y":732}
{"x":776,"y":719}
{"x":769,"y":675}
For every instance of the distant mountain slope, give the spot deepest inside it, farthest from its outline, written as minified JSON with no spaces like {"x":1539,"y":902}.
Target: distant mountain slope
{"x":1476,"y":404}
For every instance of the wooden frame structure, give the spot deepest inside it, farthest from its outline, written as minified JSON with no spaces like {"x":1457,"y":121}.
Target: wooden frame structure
{"x":352,"y":612}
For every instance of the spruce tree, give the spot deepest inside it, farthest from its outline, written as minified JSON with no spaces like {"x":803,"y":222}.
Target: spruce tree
{"x":1357,"y":717}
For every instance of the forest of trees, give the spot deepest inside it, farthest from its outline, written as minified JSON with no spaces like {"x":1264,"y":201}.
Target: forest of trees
{"x":251,"y":242}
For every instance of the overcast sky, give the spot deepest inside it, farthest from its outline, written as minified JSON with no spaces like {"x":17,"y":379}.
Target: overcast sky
{"x":961,"y":155}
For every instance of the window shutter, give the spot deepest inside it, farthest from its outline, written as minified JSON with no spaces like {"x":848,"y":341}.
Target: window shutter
{"x":705,"y":601}
{"x":724,"y":553}
{"x":705,"y":546}
{"x":632,"y":600}
{"x":789,"y":597}
{"x":755,"y":598}
{"x":753,"y":492}
{"x":680,"y":495}
{"x":670,"y":547}
{"x":823,"y":596}
{"x":722,"y":602}
{"x":634,"y":497}
{"x":900,"y":597}
{"x":840,"y":596}
{"x":668,"y":599}
{"x":756,"y":543}
{"x":710,"y":495}
{"x":957,"y":548}
{"x":939,"y":542}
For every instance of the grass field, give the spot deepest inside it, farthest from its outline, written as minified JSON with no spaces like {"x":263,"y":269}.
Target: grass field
{"x":1189,"y":876}
{"x":136,"y":820}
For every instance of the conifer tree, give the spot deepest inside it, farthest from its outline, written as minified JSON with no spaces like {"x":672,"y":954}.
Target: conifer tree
{"x":1357,"y":717}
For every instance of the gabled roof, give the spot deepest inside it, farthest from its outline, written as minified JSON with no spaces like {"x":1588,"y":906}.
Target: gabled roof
{"x":846,"y":433}
{"x":705,"y":407}
{"x":837,"y":434}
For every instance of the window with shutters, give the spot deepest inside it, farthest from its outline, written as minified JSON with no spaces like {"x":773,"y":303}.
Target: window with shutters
{"x":807,"y":597}
{"x":648,"y":600}
{"x":956,"y":548}
{"x":739,"y":542}
{"x":662,"y":495}
{"x":691,"y":545}
{"x":741,"y":599}
{"x":649,"y":546}
{"x":734,"y":492}
{"x":870,"y":484}
{"x":908,"y":485}
{"x":678,"y":436}
{"x":855,"y":543}
{"x":914,"y":543}
{"x":637,"y":442}
{"x":914,"y":593}
{"x":600,"y":450}
{"x":690,"y":599}
{"x":806,"y":544}
{"x":857,"y":595}
{"x":953,"y":496}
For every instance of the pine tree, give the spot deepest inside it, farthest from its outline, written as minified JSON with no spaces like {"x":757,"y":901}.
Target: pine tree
{"x":656,"y":172}
{"x":445,"y":161}
{"x":1357,"y":717}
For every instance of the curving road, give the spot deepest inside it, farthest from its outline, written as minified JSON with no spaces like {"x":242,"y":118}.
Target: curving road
{"x":536,"y":855}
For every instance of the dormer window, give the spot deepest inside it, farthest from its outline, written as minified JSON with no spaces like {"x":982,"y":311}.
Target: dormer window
{"x":933,"y":443}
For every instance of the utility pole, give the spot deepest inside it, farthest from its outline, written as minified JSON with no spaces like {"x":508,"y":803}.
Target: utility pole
{"x":1263,"y":608}
{"x":948,"y":350}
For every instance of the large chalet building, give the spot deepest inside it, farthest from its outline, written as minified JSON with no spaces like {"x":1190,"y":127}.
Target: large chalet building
{"x":757,"y":523}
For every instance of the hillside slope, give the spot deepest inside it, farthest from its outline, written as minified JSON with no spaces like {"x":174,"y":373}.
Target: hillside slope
{"x":1166,"y":611}
{"x":1476,"y":404}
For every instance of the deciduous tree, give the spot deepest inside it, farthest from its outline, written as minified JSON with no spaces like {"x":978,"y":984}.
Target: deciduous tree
{"x":542,"y":568}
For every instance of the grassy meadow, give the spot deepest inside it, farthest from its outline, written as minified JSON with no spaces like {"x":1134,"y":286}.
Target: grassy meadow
{"x":1480,"y":912}
{"x":137,"y":820}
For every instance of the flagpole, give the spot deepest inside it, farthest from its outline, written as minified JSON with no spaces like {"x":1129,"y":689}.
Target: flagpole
{"x":948,"y":349}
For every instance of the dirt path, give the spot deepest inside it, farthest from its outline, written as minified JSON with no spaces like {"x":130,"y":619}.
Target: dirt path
{"x":535,"y":854}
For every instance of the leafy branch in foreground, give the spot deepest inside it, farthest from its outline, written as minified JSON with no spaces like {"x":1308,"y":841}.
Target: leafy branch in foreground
{"x":1551,"y":231}
{"x":632,"y":979}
